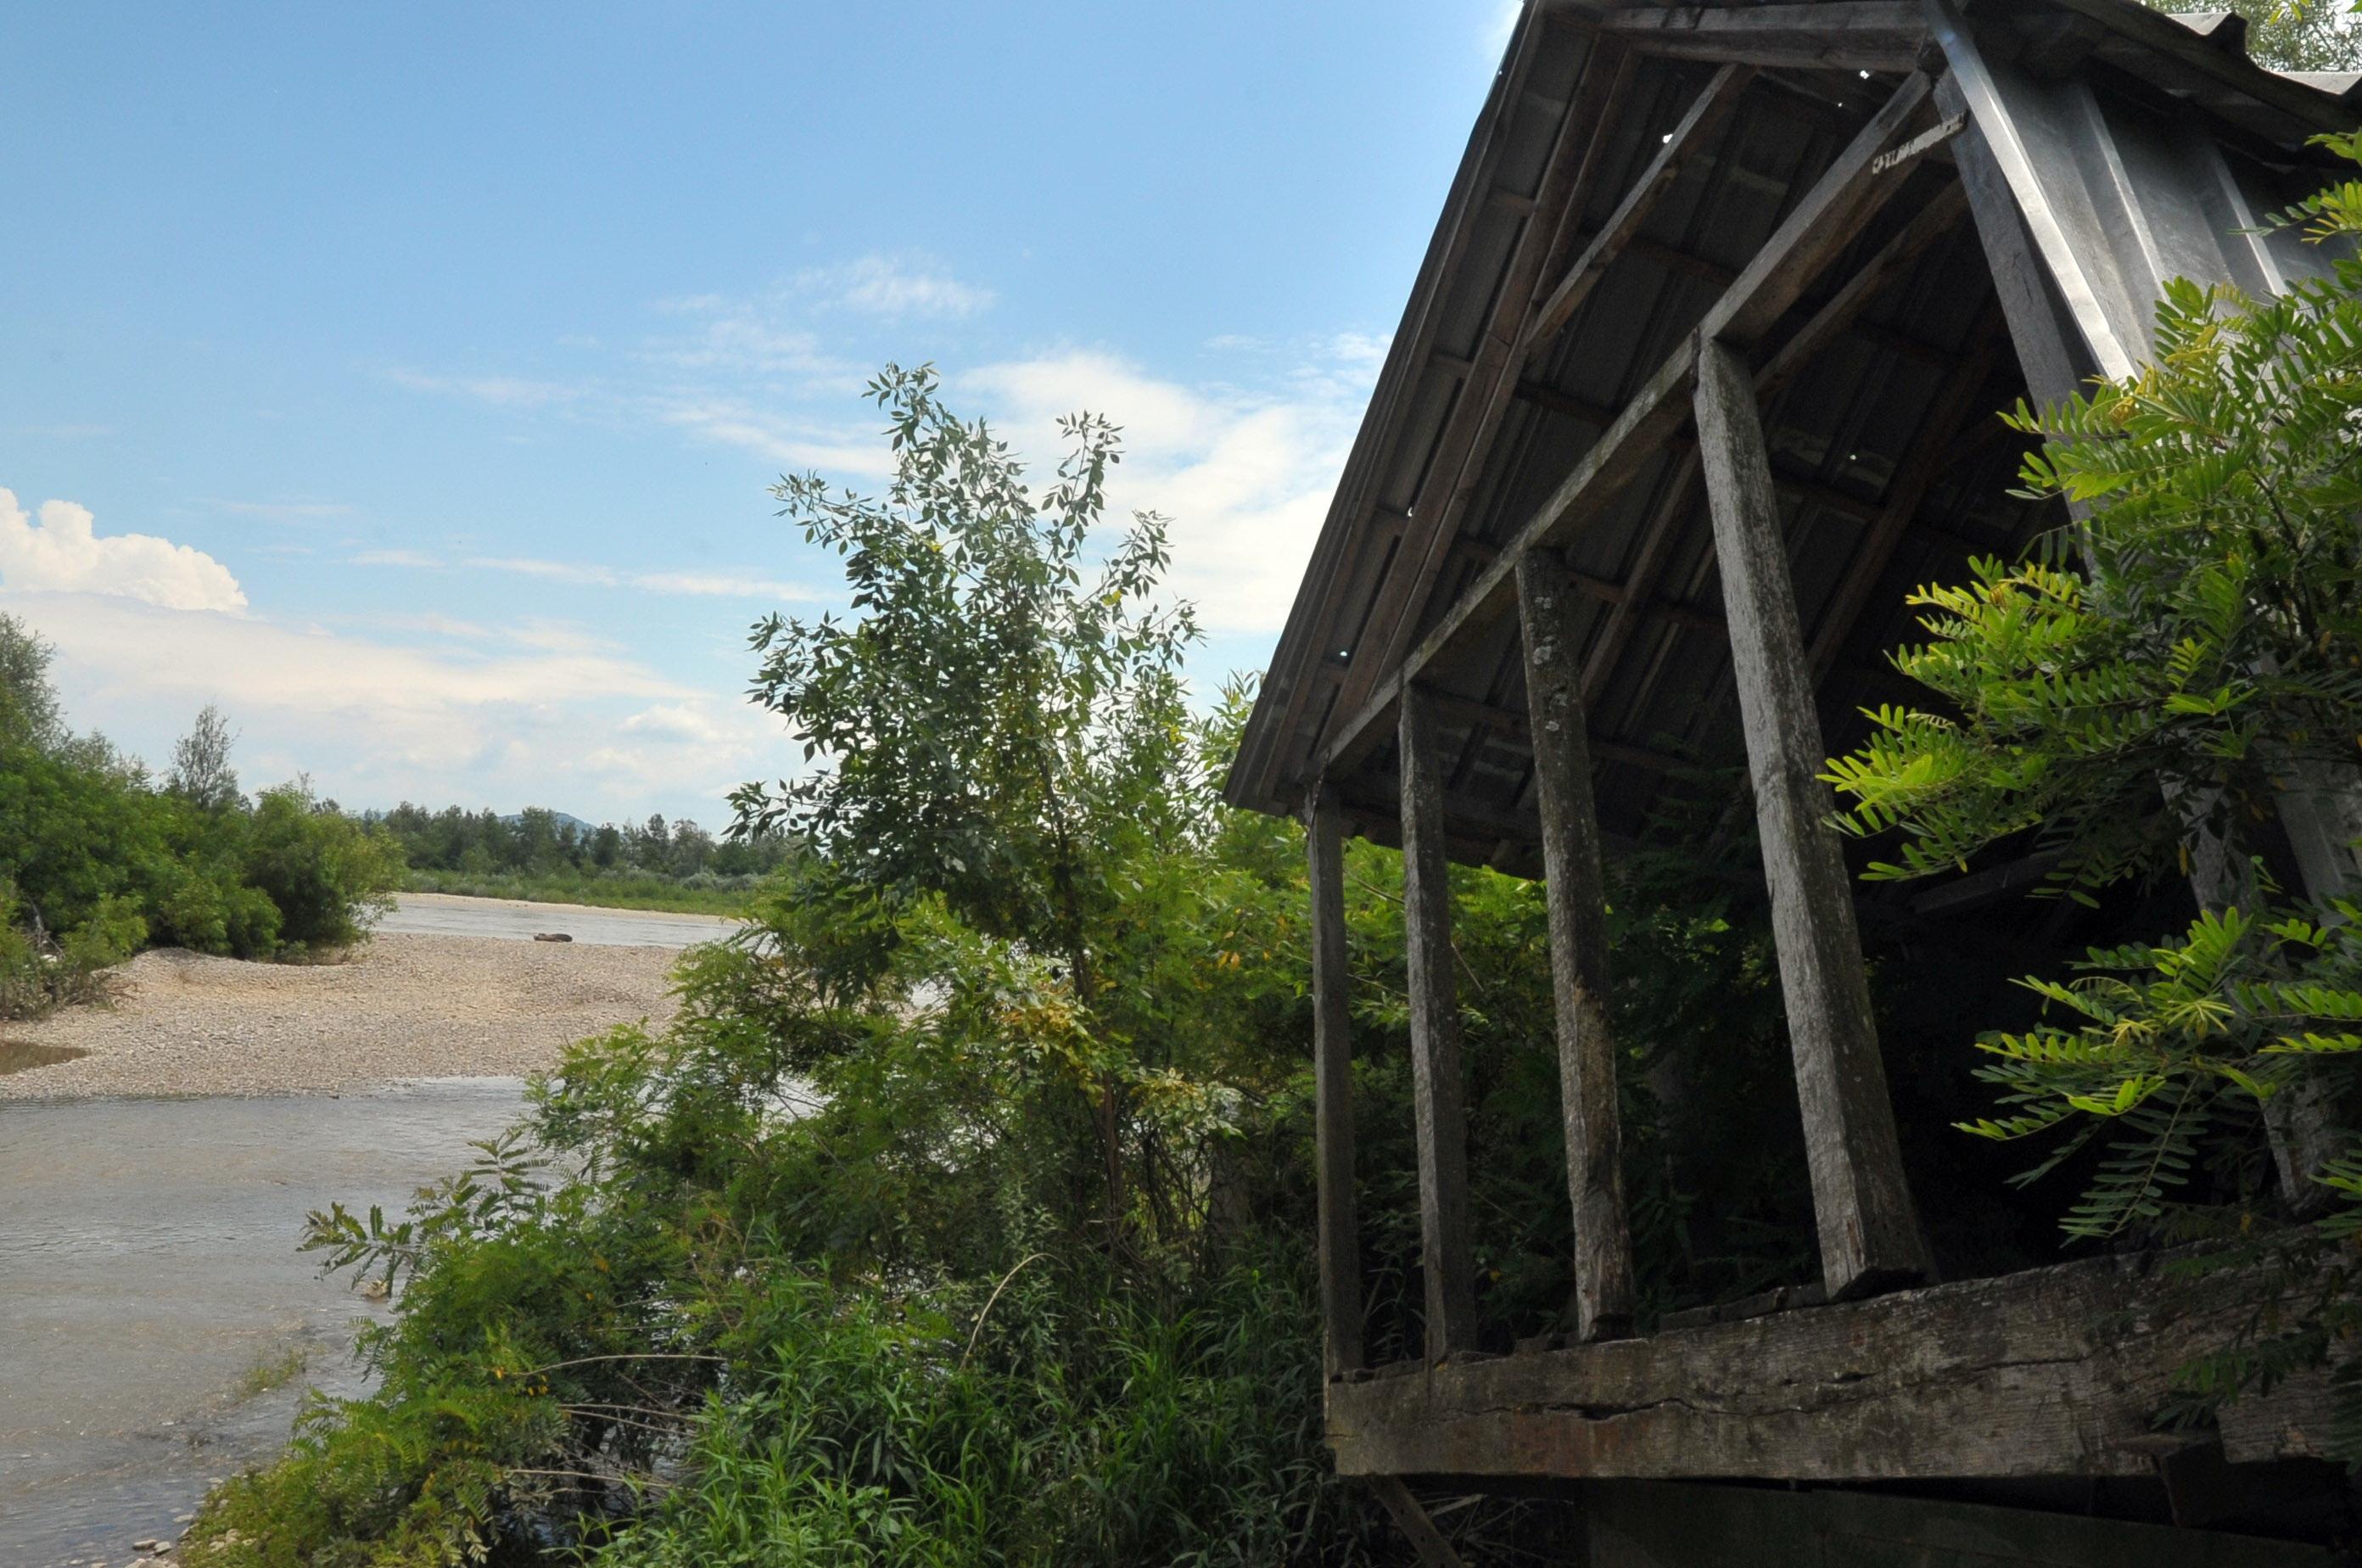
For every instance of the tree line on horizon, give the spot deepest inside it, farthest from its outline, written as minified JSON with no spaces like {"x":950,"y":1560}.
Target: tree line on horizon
{"x":539,"y":841}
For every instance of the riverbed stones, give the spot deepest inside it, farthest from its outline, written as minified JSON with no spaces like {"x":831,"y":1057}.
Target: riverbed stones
{"x":402,"y":1006}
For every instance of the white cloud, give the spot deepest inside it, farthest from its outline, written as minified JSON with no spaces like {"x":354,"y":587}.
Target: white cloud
{"x":63,"y":553}
{"x":285,"y":511}
{"x":505,"y":391}
{"x":895,"y":287}
{"x":707,"y":585}
{"x":787,"y":441}
{"x":1499,"y":26}
{"x":1245,"y":477}
{"x":538,"y":712}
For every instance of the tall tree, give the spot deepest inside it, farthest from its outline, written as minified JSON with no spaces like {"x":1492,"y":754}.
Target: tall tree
{"x":201,"y":770}
{"x":997,"y":720}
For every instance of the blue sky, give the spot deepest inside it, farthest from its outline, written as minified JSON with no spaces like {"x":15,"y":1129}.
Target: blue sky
{"x":410,"y":380}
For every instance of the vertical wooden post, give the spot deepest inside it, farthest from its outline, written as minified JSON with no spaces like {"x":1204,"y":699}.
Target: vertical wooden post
{"x":1332,"y":1075}
{"x":1869,"y":1238}
{"x":1572,"y":885}
{"x":1446,"y":1255}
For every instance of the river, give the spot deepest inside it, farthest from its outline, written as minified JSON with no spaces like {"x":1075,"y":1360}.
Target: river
{"x":148,"y":1275}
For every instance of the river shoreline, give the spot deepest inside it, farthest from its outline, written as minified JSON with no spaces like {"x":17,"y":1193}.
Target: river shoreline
{"x":415,"y":1001}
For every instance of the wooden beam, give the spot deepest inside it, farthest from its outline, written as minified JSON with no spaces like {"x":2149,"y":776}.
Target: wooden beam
{"x":1398,"y":383}
{"x":1848,"y":195}
{"x":1446,"y":1258}
{"x":1840,"y":310}
{"x":1863,"y":177}
{"x":1332,"y":1073}
{"x":1853,"y":35}
{"x":1425,"y":1541}
{"x":1488,"y":381}
{"x":2028,"y":1374}
{"x":1869,"y":1234}
{"x":1573,"y":886}
{"x":1836,"y":199}
{"x":2050,"y":352}
{"x":2205,"y":62}
{"x":1683,"y":143}
{"x":1954,"y":403}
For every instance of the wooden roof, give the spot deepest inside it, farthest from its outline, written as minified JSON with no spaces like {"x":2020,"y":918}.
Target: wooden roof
{"x":1628,"y":165}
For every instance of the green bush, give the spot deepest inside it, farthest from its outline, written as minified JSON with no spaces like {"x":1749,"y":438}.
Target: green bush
{"x":94,"y":850}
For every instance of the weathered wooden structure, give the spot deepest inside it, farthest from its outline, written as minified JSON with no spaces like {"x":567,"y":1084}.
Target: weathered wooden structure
{"x":1697,"y":379}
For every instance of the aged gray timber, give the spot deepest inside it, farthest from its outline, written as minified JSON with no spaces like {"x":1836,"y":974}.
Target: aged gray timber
{"x":1332,"y":1072}
{"x":1827,"y":219}
{"x":1410,"y":1517}
{"x":1573,"y":885}
{"x":1869,"y":1235}
{"x":1851,"y":35}
{"x":1705,"y":117}
{"x":1488,"y":382}
{"x":1446,"y":1256}
{"x":2052,"y":1372}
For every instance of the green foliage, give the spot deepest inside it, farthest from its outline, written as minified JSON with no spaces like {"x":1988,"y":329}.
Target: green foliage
{"x":538,"y":854}
{"x":28,"y":707}
{"x":963,"y":1212}
{"x":997,"y":732}
{"x":2141,"y":710}
{"x":99,"y":862}
{"x":2207,"y":646}
{"x":2289,"y":35}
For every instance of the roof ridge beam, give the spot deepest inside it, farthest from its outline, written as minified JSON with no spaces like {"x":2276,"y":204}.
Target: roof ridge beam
{"x":1850,"y":35}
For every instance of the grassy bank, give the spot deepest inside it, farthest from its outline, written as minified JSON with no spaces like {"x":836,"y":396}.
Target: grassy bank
{"x":702,"y":894}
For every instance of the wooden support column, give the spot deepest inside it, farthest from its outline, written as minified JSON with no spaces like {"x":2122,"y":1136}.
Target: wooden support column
{"x":1572,"y":883}
{"x":1446,"y":1256}
{"x":1333,"y":1074}
{"x":1869,"y":1235}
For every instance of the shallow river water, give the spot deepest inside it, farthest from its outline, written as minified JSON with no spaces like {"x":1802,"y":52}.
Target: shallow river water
{"x":148,"y":1270}
{"x":147,"y":1267}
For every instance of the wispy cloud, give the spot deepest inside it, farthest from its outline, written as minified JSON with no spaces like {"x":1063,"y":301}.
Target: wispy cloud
{"x":504,"y":391}
{"x":285,"y":511}
{"x":709,"y":584}
{"x":1499,"y":26}
{"x":447,"y":710}
{"x":396,"y":558}
{"x":1244,"y":475}
{"x":895,"y":286}
{"x":64,"y":553}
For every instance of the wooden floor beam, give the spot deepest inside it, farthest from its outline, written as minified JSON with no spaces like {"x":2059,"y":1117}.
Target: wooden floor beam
{"x":1868,"y":1231}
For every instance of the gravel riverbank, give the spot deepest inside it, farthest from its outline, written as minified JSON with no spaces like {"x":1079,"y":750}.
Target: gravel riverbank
{"x":401,"y":1007}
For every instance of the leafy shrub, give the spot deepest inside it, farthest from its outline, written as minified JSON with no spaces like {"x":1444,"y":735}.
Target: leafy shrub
{"x":88,"y":842}
{"x":2143,"y":702}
